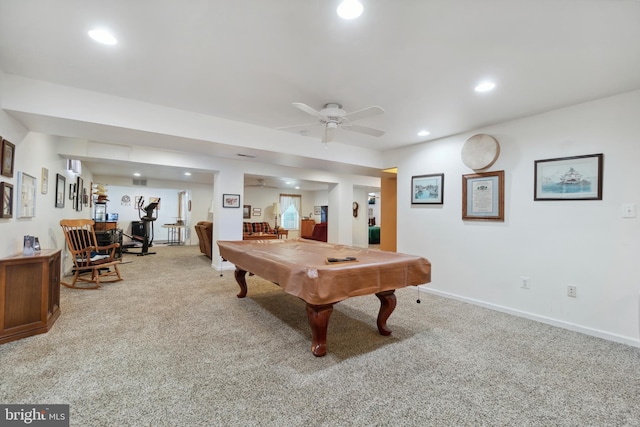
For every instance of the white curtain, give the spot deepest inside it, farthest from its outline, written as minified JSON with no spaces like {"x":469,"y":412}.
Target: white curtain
{"x":290,"y":205}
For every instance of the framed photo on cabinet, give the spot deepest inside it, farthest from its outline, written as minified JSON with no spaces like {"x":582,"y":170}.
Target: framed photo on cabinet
{"x":483,"y":196}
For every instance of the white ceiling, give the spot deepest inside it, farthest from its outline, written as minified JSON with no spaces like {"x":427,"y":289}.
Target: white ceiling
{"x":248,"y":60}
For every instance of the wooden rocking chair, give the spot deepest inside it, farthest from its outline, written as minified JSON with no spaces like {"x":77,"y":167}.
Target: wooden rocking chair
{"x":87,"y":256}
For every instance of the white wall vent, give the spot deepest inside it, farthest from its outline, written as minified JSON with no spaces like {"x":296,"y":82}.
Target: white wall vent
{"x":142,"y":182}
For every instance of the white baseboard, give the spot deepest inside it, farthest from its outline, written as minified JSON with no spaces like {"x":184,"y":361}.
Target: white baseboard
{"x":633,"y":342}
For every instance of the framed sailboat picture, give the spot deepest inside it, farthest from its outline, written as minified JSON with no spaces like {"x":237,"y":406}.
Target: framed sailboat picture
{"x":569,"y":178}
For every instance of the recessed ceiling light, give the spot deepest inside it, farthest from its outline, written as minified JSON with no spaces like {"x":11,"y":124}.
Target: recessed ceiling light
{"x":187,"y":174}
{"x":296,"y":187}
{"x":485,"y":87}
{"x":136,"y":174}
{"x":423,"y":133}
{"x":103,"y":36}
{"x":350,"y":9}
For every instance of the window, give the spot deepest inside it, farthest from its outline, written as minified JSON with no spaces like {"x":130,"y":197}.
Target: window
{"x":290,"y":208}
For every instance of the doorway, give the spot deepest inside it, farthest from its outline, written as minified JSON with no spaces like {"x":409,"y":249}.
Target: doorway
{"x":388,"y":210}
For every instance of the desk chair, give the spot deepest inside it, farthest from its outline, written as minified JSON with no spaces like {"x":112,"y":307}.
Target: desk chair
{"x":87,"y":256}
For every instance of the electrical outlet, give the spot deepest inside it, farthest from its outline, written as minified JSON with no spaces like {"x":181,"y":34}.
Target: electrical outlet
{"x":525,"y":282}
{"x":572,"y":291}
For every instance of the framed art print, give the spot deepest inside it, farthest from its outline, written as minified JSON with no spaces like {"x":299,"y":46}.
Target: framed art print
{"x":568,"y":178}
{"x":8,"y":158}
{"x":44,"y":181}
{"x":483,"y":196}
{"x":60,"y":189}
{"x":230,"y":200}
{"x":427,"y":189}
{"x":6,"y":200}
{"x":27,"y":195}
{"x":246,"y":211}
{"x":77,"y":200}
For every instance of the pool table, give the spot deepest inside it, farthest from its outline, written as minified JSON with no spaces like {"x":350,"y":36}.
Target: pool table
{"x":303,"y":268}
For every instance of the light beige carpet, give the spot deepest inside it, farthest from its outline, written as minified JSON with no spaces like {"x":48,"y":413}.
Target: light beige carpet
{"x":171,"y":345}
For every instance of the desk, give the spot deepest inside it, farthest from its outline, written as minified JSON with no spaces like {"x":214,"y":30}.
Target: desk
{"x":173,"y":237}
{"x":299,"y":267}
{"x":105,"y":225}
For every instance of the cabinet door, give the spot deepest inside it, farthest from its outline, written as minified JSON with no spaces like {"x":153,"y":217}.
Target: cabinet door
{"x":54,"y":285}
{"x":22,"y":296}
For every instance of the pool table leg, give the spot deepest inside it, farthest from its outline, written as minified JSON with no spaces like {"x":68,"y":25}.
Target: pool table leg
{"x":387,"y":305}
{"x":240,"y":278}
{"x":319,"y":321}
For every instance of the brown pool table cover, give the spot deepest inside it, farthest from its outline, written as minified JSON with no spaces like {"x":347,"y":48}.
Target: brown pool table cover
{"x":299,"y":267}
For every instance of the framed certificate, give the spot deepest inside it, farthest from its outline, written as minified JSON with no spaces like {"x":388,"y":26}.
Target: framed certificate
{"x":483,"y":196}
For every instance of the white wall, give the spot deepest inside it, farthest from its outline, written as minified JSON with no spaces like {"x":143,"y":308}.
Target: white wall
{"x":34,"y":152}
{"x":555,"y":243}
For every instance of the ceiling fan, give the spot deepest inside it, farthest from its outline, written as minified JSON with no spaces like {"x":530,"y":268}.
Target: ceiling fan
{"x":260,"y":183}
{"x":332,"y":117}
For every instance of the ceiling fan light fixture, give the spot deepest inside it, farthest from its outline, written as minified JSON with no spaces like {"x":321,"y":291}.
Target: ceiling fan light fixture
{"x":350,"y":9}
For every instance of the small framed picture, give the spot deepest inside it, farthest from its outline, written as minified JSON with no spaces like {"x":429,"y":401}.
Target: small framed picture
{"x":6,"y":200}
{"x":427,"y":189}
{"x":8,"y":158}
{"x":246,"y":211}
{"x":78,"y":196}
{"x":27,"y":195}
{"x":317,"y":210}
{"x":44,"y":181}
{"x":60,"y":189}
{"x":230,"y":200}
{"x":29,"y":245}
{"x":569,"y":178}
{"x":483,"y":196}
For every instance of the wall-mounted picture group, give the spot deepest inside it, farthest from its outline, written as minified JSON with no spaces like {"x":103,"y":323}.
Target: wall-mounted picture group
{"x":562,"y":178}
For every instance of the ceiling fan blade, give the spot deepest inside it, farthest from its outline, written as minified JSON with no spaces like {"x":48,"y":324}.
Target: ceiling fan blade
{"x":309,"y":110}
{"x":300,"y":127}
{"x":364,"y":113}
{"x":327,"y":135}
{"x":364,"y":129}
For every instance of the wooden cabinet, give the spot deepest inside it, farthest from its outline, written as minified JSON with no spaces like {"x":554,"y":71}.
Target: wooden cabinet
{"x":306,"y":228}
{"x":29,"y":294}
